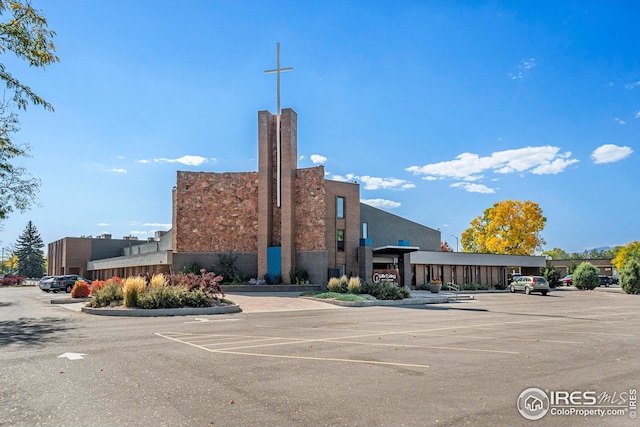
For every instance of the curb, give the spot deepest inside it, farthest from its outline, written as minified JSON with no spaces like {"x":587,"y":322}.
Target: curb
{"x":230,"y":289}
{"x":69,"y":300}
{"x":162,"y":312}
{"x":386,"y":303}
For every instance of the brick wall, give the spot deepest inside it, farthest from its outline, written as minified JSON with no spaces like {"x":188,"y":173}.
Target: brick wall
{"x":216,"y":212}
{"x":310,"y":209}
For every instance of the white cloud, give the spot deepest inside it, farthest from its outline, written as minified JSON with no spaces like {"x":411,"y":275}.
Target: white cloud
{"x":470,"y":167}
{"x":156,"y":224}
{"x":375,"y":183}
{"x":137,"y":233}
{"x":186,"y":160}
{"x":638,"y":115}
{"x":381,"y":203}
{"x":143,"y":161}
{"x":317,"y":158}
{"x":619,"y":121}
{"x":525,"y":64}
{"x":103,"y":224}
{"x":116,"y":170}
{"x":632,"y":85}
{"x":609,"y":153}
{"x":473,"y":188}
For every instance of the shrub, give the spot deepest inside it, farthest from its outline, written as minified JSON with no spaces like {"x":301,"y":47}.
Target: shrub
{"x":226,"y":267}
{"x":191,"y":267}
{"x":353,"y":286}
{"x":585,"y":276}
{"x":134,"y":287}
{"x":334,"y":285}
{"x":96,"y":285}
{"x":209,"y":283}
{"x":385,"y":290}
{"x":299,"y":276}
{"x":630,"y":277}
{"x":552,"y":275}
{"x":112,"y":291}
{"x":157,"y":280}
{"x":173,"y":297}
{"x":12,"y":281}
{"x":80,"y":289}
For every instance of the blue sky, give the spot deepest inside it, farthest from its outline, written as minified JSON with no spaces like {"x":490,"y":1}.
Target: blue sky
{"x":439,"y":109}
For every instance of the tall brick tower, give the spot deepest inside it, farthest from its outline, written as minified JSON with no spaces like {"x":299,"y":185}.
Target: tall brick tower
{"x":276,"y":192}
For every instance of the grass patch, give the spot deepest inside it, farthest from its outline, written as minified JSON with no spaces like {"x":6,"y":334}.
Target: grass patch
{"x":340,"y":297}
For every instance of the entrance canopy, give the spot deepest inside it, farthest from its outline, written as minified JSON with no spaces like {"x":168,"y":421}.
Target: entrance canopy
{"x":394,"y":250}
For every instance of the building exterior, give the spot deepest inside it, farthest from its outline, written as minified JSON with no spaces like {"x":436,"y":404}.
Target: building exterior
{"x":278,"y":219}
{"x":604,"y":266}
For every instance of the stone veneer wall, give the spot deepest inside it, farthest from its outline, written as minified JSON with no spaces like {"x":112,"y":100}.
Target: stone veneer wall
{"x":216,"y":212}
{"x":310,"y":210}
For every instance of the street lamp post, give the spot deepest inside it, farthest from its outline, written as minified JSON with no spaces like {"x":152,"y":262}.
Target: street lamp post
{"x":457,"y":242}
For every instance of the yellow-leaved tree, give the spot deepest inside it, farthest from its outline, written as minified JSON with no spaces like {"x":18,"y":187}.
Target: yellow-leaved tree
{"x":509,"y":227}
{"x":626,"y":253}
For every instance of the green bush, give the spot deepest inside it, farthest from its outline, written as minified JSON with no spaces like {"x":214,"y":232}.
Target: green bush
{"x":585,"y":276}
{"x":299,"y":276}
{"x":112,"y":291}
{"x":385,"y":290}
{"x":552,"y":275}
{"x":191,"y":267}
{"x":630,"y":277}
{"x":173,"y":297}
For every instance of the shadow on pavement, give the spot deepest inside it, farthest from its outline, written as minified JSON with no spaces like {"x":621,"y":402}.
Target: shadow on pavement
{"x":29,"y":331}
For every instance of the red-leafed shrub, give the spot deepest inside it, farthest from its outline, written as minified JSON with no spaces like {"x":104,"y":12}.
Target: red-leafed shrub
{"x":80,"y":290}
{"x":96,"y":285}
{"x":12,"y":281}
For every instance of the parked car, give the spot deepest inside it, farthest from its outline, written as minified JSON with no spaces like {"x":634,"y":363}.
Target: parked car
{"x":604,"y":280}
{"x":567,"y":280}
{"x":614,"y":280}
{"x":530,"y":284}
{"x":61,"y":283}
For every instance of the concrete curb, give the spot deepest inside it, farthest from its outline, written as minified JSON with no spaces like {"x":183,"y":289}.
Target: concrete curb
{"x":230,"y":289}
{"x":386,"y":303}
{"x":69,"y":300}
{"x":161,"y":312}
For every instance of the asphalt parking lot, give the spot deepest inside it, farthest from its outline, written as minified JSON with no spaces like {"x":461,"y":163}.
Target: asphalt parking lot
{"x":443,"y":364}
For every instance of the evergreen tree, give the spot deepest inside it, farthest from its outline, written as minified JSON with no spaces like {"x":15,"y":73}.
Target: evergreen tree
{"x":29,"y":252}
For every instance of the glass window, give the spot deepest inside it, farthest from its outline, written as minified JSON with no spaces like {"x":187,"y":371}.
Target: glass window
{"x":365,"y":230}
{"x":340,"y":207}
{"x":340,"y":240}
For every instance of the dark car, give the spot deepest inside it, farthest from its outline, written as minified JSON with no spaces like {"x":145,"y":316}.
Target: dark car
{"x":61,"y":283}
{"x":614,"y":280}
{"x":604,"y":280}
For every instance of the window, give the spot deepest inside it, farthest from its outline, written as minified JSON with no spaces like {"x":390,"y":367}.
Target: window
{"x":365,"y":230}
{"x":340,"y":207}
{"x":340,"y":240}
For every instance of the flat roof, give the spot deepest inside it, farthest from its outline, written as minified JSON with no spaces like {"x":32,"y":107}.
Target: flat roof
{"x":391,"y":249}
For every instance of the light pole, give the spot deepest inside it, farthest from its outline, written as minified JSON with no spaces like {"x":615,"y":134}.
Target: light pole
{"x":457,"y":242}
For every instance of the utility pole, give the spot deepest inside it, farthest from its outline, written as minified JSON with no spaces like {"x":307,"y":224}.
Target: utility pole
{"x":457,"y":242}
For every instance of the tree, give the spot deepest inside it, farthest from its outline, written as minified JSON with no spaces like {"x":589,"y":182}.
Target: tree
{"x":630,"y":277}
{"x":444,"y":247}
{"x":556,"y":253}
{"x":508,"y":227}
{"x":586,"y":276}
{"x":29,"y":252}
{"x":24,"y":32}
{"x":626,"y":253}
{"x":18,"y":188}
{"x":551,"y":274}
